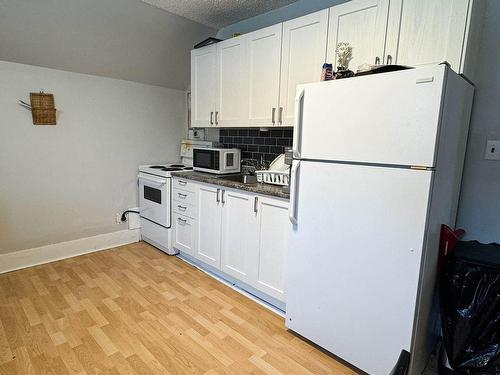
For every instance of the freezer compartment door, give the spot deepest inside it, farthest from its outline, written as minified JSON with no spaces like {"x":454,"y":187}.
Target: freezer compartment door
{"x":354,"y":259}
{"x":389,"y":118}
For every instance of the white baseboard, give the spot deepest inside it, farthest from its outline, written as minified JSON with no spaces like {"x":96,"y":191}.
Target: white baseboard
{"x":50,"y":253}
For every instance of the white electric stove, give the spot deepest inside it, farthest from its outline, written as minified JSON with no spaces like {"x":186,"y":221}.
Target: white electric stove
{"x":155,"y":204}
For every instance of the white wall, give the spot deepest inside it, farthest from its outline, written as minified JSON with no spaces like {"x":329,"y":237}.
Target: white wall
{"x":479,"y":210}
{"x":65,"y":182}
{"x":125,"y":39}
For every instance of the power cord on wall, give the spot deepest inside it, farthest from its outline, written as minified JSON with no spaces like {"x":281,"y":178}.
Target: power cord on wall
{"x":124,"y":216}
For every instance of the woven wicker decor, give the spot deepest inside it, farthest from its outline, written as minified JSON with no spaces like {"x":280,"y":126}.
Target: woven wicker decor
{"x":43,"y":109}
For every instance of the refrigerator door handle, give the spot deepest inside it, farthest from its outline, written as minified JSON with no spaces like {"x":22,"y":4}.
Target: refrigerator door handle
{"x":299,"y":102}
{"x":292,"y":210}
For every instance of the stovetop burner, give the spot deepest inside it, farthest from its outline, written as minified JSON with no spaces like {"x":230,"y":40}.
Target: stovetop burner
{"x":187,"y":168}
{"x":171,"y":169}
{"x":156,"y":167}
{"x":176,"y":166}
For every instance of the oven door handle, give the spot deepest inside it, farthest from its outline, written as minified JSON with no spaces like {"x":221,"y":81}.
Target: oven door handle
{"x":152,"y":180}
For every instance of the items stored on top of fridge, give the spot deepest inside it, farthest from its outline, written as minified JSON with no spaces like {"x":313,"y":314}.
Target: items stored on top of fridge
{"x":327,"y":72}
{"x":366,"y":69}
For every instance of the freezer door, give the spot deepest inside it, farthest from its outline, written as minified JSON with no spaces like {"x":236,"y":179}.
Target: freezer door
{"x":389,"y":118}
{"x":354,"y":259}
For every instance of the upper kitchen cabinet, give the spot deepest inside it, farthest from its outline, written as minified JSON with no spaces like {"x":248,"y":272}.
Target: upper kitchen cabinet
{"x":303,"y":54}
{"x":203,"y":86}
{"x":231,"y":105}
{"x":263,"y":75}
{"x":422,"y":32}
{"x":362,"y":24}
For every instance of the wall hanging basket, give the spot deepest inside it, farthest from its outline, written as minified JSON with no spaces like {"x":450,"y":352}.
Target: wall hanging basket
{"x":43,"y":108}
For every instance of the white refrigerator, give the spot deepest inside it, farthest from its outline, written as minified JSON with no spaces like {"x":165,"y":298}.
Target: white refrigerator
{"x":377,"y":169}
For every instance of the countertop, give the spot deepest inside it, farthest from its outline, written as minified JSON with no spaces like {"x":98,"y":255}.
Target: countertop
{"x":258,"y":188}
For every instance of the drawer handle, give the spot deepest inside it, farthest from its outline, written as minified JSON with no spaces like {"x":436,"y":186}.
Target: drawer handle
{"x":181,"y":220}
{"x":182,"y":182}
{"x":182,"y":195}
{"x":183,"y":208}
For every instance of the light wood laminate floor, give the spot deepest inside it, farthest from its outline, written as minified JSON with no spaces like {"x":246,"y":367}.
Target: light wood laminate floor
{"x":134,"y":310}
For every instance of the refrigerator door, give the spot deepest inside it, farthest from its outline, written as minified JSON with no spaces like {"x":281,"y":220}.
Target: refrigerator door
{"x":390,"y":118}
{"x":354,"y":259}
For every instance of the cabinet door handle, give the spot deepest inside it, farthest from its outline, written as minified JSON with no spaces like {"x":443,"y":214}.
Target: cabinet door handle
{"x":389,"y":59}
{"x":182,"y":182}
{"x":183,"y":208}
{"x":280,"y":116}
{"x":181,"y":220}
{"x":216,"y":118}
{"x":182,"y":195}
{"x":377,"y":60}
{"x":217,"y":199}
{"x":211,"y":118}
{"x":273,"y":115}
{"x":223,"y":196}
{"x":255,"y":204}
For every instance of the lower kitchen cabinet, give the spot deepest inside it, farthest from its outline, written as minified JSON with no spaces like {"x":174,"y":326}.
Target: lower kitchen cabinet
{"x":208,"y":241}
{"x":242,"y":234}
{"x":270,"y":247}
{"x":238,"y":223}
{"x":184,"y":233}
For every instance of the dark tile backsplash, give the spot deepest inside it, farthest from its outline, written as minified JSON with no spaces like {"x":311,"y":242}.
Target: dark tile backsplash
{"x":255,"y":143}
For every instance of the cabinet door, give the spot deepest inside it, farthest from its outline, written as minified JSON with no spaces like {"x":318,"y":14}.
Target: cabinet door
{"x":238,"y":219}
{"x":362,"y":23}
{"x":303,"y":55}
{"x":209,"y":226}
{"x":263,"y":71}
{"x":270,"y":248}
{"x":422,"y":32}
{"x":232,"y":88}
{"x":203,"y":86}
{"x":184,"y":233}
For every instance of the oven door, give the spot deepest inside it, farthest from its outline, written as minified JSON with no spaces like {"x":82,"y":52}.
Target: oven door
{"x":154,"y":198}
{"x":206,"y":159}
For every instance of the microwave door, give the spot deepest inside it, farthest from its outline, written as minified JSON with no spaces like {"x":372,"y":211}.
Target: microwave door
{"x":206,"y":159}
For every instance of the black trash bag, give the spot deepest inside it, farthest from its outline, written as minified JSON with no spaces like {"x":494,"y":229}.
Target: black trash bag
{"x":470,"y":308}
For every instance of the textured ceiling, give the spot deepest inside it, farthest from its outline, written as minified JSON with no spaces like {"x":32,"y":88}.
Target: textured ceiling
{"x":218,"y":13}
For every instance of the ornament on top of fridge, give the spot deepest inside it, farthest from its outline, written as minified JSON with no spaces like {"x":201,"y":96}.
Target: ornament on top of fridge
{"x":344,"y":56}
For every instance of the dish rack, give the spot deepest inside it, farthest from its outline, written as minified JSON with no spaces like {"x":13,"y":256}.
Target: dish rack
{"x":273,"y":177}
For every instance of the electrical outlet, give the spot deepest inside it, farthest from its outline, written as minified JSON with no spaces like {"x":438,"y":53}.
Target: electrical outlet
{"x":492,"y":151}
{"x":118,"y":218}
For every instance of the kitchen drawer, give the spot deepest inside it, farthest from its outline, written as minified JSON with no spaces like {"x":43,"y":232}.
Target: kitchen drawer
{"x":185,"y":209}
{"x":183,"y":184}
{"x":184,"y":196}
{"x":184,"y":233}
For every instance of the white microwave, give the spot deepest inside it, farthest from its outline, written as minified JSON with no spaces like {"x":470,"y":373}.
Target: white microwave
{"x":217,"y":160}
